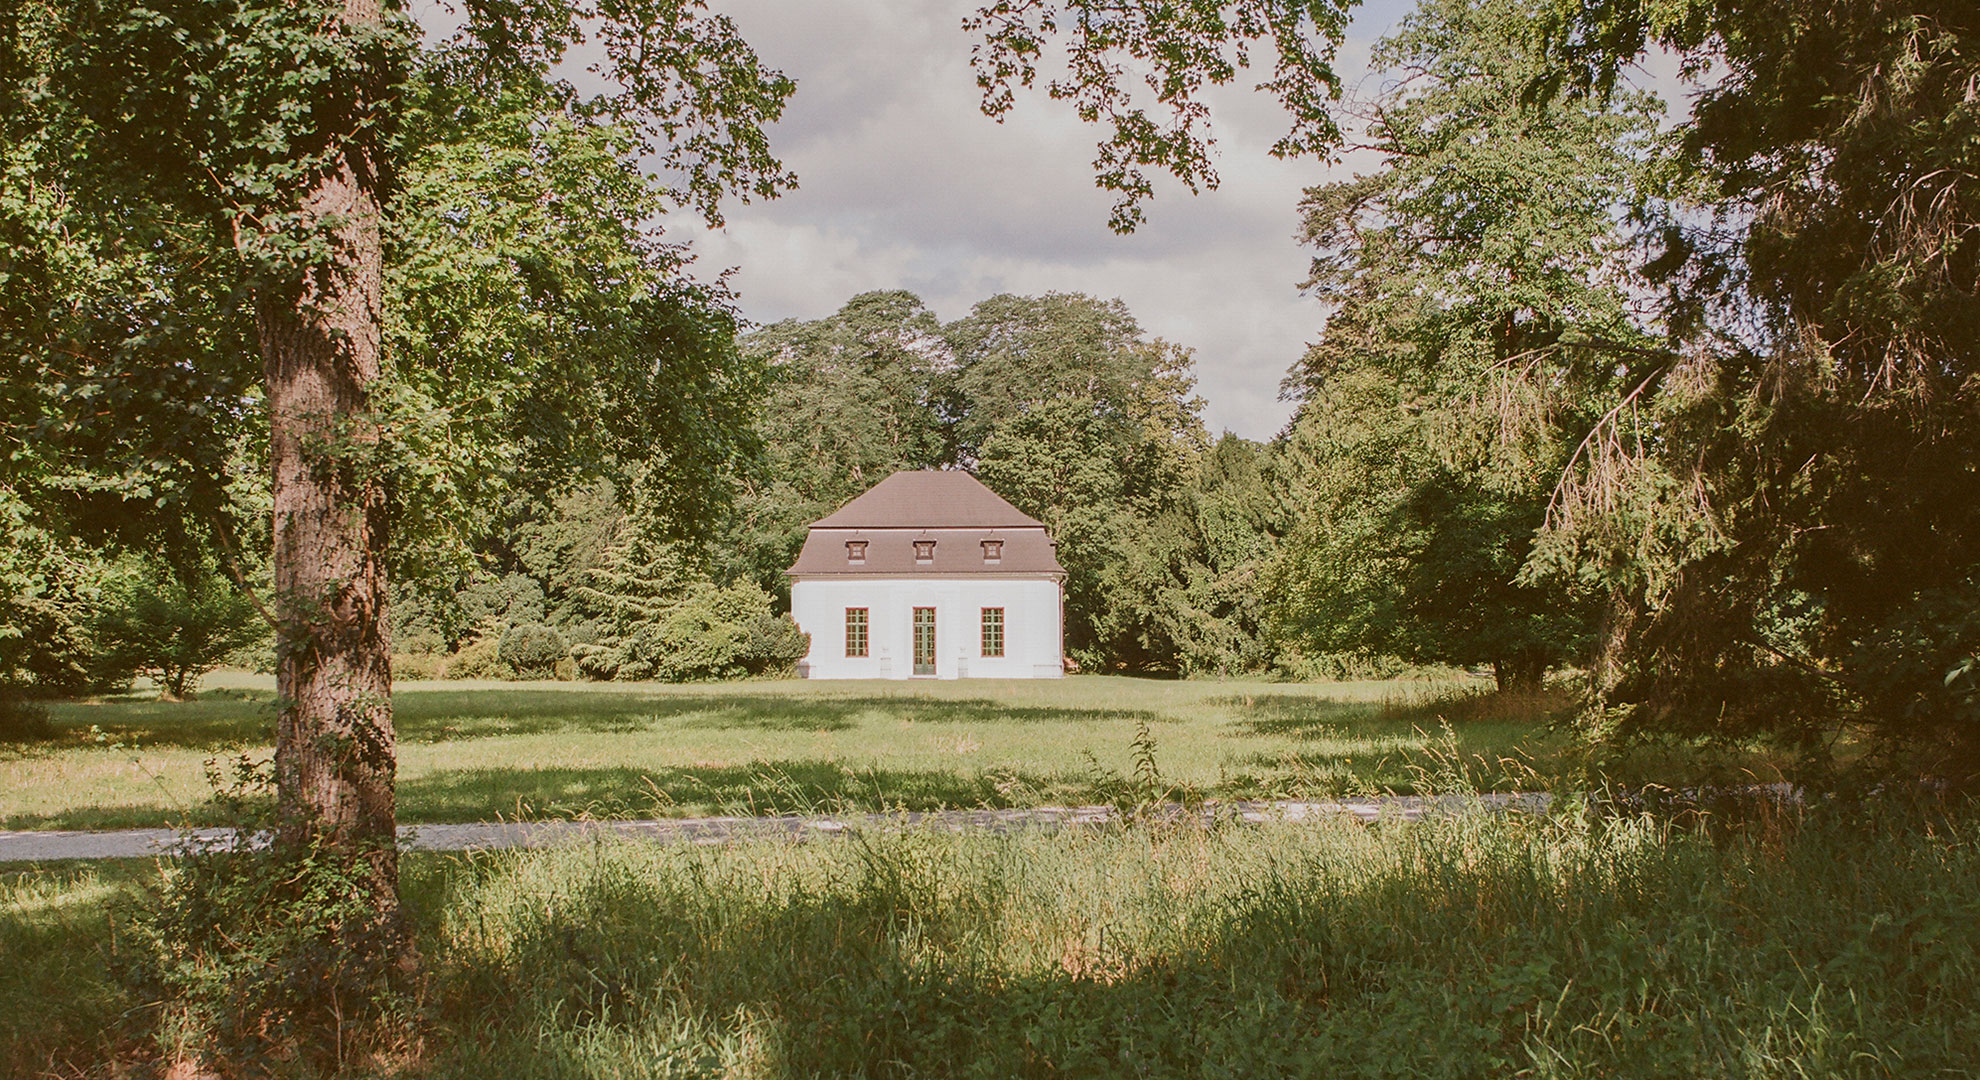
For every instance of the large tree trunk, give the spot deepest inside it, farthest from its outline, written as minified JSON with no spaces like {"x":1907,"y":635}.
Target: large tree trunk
{"x":335,"y":754}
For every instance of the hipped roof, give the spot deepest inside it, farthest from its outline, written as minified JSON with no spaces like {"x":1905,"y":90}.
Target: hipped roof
{"x":890,"y":553}
{"x":928,"y":499}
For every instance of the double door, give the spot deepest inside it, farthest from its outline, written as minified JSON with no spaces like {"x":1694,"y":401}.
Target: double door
{"x":924,"y":641}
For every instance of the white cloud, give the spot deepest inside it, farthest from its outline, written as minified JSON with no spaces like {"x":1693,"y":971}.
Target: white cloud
{"x":905,"y":184}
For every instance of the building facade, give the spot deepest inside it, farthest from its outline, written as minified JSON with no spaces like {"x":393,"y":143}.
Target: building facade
{"x":929,"y":575}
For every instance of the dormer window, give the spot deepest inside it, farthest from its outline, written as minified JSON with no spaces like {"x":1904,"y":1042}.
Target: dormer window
{"x":856,"y":551}
{"x":924,"y":551}
{"x":993,"y":551}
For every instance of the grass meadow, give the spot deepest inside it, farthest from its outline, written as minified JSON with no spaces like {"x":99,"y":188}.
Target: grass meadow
{"x":1764,"y":941}
{"x":1771,"y":946}
{"x":482,"y":751}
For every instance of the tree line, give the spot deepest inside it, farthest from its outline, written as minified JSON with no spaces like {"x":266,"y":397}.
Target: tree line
{"x":1557,"y":416}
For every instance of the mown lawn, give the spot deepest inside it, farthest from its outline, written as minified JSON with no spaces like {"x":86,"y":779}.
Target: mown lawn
{"x":475,"y":751}
{"x":1481,"y":946}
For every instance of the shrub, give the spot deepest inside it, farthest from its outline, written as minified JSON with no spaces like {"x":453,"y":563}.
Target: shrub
{"x":479,"y":659}
{"x":775,"y":645}
{"x":417,"y":666}
{"x":260,"y":959}
{"x":533,"y":650}
{"x":596,"y":661}
{"x":515,"y":600}
{"x":422,"y":643}
{"x":710,"y":632}
{"x":174,"y":625}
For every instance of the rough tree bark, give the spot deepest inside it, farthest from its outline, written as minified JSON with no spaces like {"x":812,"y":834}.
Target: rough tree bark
{"x":335,"y":753}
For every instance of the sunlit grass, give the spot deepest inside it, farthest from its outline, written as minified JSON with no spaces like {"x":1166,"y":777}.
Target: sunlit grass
{"x":481,"y":750}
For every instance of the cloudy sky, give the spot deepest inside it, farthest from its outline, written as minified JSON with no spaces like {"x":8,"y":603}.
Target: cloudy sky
{"x":904,"y":184}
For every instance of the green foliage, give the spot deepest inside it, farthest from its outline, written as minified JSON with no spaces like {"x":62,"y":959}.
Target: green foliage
{"x":1480,"y":328}
{"x":533,"y":651}
{"x":1813,"y":417}
{"x":418,"y":665}
{"x":147,"y":198}
{"x":558,"y":542}
{"x":591,"y":352}
{"x":774,"y":646}
{"x":1176,"y":50}
{"x":47,"y":590}
{"x":249,"y":957}
{"x":1073,"y":414}
{"x":480,"y":658}
{"x":706,"y":632}
{"x":1193,"y":584}
{"x":172,"y":623}
{"x":654,"y":613}
{"x":852,"y":398}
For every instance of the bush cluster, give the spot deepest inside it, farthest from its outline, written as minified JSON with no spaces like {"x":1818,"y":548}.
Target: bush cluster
{"x":715,"y":632}
{"x":533,"y":651}
{"x":263,"y":960}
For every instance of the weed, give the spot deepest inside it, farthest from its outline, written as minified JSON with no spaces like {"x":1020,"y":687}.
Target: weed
{"x":263,"y":957}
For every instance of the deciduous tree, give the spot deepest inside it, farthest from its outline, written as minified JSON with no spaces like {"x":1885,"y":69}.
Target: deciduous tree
{"x":1480,"y":328}
{"x":238,"y":221}
{"x":1796,"y":549}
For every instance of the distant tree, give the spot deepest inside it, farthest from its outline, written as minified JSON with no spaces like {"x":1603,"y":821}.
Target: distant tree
{"x":172,"y":623}
{"x":1070,"y":411}
{"x":557,"y":541}
{"x":853,"y":397}
{"x":1195,"y":578}
{"x":1480,"y":328}
{"x":653,"y":610}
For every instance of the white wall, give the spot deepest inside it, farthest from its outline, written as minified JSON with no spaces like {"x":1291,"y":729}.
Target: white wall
{"x":1032,"y":633}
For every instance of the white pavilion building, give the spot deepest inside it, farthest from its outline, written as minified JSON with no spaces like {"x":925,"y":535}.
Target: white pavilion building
{"x":930,"y":575}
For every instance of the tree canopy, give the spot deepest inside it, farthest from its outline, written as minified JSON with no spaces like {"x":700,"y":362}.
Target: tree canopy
{"x":1794,"y":551}
{"x":1480,"y":323}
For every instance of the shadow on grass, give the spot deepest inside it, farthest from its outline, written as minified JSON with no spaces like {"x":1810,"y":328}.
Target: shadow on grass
{"x":432,"y":716}
{"x":793,"y":786}
{"x":1297,"y":717}
{"x":1317,"y":718}
{"x":899,"y":964}
{"x":830,"y":987}
{"x":60,"y":1006}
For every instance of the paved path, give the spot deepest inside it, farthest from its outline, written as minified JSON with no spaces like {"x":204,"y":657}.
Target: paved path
{"x":485,"y":836}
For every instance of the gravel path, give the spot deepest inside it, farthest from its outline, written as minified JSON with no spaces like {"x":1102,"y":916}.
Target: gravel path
{"x":487,"y":836}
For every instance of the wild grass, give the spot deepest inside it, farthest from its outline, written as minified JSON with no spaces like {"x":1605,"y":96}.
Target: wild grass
{"x":1483,"y":945}
{"x":478,"y":751}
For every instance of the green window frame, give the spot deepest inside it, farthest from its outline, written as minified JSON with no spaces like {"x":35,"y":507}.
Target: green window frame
{"x":855,"y":631}
{"x":993,"y":631}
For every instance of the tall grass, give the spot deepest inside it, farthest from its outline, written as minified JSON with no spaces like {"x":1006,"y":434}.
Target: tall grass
{"x":1474,"y":946}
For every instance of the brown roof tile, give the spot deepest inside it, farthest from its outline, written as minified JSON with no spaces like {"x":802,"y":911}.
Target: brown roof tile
{"x":890,"y":552}
{"x":928,"y":499}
